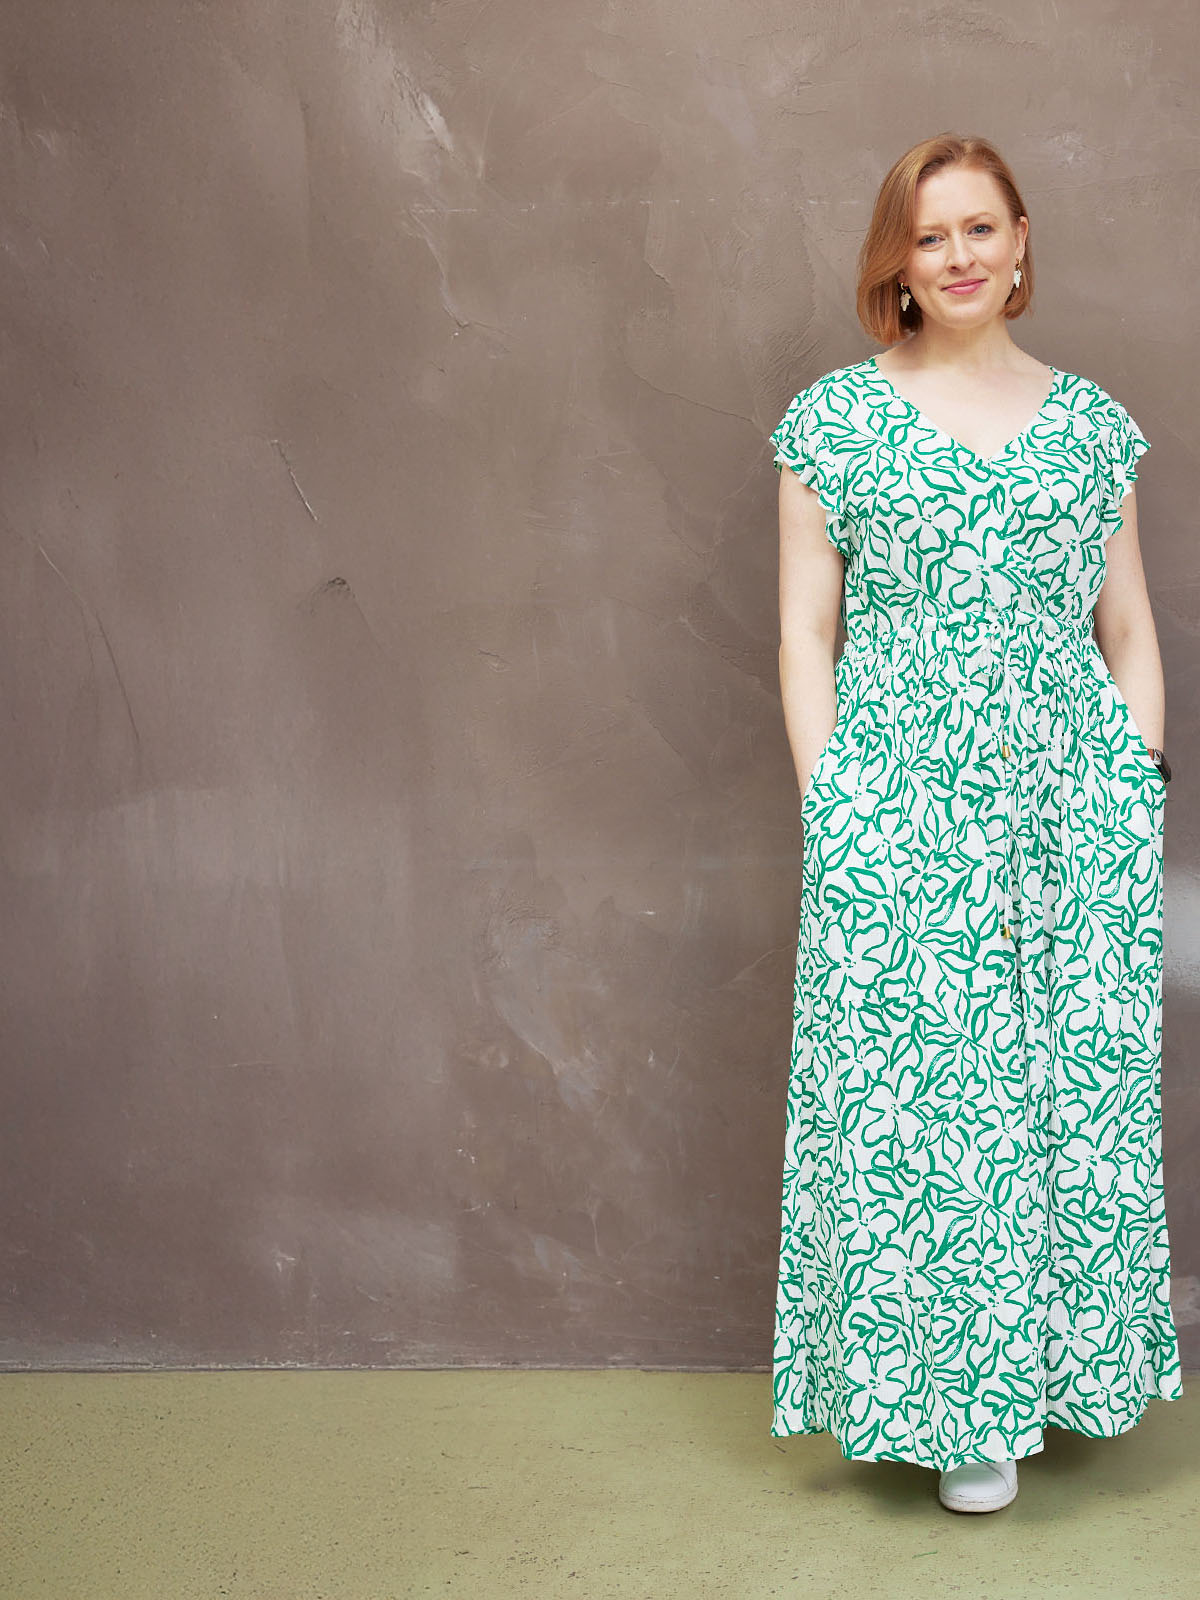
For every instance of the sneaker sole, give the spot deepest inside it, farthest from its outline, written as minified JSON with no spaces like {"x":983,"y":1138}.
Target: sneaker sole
{"x":953,"y":1504}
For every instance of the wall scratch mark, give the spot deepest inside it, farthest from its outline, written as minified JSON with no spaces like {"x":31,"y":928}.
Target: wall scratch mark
{"x":89,"y":613}
{"x":283,"y":457}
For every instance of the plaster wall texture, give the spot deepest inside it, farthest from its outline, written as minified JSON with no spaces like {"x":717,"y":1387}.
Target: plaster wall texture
{"x":399,"y":834}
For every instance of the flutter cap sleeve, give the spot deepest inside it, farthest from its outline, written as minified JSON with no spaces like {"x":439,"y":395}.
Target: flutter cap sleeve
{"x":802,"y":445}
{"x":1124,"y":442}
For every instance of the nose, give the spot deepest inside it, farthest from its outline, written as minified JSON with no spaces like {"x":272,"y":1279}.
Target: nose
{"x":958,"y":250}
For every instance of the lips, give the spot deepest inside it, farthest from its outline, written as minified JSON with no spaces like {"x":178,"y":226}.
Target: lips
{"x":962,"y":287}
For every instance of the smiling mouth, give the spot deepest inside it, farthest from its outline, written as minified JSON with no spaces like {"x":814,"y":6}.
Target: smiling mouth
{"x":967,"y":283}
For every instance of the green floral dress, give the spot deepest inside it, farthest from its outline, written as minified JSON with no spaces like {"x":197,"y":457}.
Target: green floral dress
{"x":974,"y":1238}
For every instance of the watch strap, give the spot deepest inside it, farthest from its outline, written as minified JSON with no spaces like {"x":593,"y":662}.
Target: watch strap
{"x":1160,"y":761}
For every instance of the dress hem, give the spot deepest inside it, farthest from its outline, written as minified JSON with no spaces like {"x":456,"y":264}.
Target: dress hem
{"x":925,"y":1460}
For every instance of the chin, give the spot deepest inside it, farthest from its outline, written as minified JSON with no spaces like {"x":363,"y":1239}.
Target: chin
{"x":983,"y":309}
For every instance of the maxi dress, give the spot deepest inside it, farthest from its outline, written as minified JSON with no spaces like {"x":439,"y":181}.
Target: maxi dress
{"x":974,"y":1239}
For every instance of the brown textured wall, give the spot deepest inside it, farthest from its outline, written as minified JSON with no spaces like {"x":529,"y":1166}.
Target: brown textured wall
{"x":399,"y":831}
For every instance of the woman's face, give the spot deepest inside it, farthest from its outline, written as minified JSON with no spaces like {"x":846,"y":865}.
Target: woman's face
{"x":962,"y":234}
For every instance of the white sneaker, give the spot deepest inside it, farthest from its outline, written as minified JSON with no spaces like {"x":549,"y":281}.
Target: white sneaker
{"x":979,"y":1486}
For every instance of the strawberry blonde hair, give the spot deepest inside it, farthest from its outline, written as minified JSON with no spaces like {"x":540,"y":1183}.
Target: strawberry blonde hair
{"x":889,"y":241}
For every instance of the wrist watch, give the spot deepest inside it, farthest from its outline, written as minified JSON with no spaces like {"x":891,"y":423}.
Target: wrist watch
{"x":1161,"y":762}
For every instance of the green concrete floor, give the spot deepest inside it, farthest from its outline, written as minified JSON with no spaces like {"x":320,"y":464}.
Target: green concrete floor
{"x":484,"y":1485}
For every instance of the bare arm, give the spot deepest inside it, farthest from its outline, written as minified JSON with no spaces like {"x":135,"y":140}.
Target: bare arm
{"x":1125,"y":628}
{"x":811,"y":572}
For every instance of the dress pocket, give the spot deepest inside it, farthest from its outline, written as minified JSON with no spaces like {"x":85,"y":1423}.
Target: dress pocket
{"x":1137,"y":744}
{"x":820,"y":766}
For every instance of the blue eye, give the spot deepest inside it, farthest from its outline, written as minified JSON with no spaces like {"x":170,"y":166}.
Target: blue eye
{"x":986,"y":226}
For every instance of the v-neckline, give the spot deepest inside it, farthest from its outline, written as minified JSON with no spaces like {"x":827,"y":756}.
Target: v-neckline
{"x":927,"y":422}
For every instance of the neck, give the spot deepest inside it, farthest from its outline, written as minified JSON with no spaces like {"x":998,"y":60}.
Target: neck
{"x":982,"y":349}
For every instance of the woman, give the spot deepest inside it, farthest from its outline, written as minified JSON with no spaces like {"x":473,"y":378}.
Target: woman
{"x":974,"y":1238}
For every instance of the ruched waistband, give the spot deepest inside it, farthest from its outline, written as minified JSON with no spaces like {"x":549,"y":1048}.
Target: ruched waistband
{"x":963,"y":628}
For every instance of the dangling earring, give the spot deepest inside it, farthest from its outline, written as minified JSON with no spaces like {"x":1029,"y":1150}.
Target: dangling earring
{"x":905,"y":297}
{"x":1017,"y":276}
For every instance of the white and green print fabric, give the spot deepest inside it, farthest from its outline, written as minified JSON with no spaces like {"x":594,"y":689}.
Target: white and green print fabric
{"x":974,"y":1238}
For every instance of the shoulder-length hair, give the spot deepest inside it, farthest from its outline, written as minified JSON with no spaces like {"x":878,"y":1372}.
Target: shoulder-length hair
{"x":889,"y":241}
